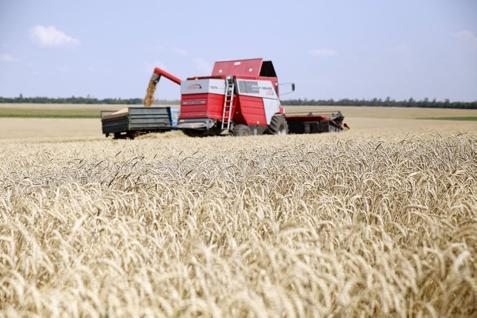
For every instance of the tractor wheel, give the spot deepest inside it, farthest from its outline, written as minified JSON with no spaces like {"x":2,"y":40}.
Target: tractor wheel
{"x":241,"y":130}
{"x":278,"y":125}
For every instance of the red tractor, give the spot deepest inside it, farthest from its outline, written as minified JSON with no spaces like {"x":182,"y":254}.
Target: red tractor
{"x":240,"y":97}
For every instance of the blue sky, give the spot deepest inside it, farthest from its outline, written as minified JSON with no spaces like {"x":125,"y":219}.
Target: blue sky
{"x":330,"y":49}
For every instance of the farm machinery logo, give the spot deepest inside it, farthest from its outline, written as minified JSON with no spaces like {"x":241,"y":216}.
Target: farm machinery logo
{"x":194,"y":86}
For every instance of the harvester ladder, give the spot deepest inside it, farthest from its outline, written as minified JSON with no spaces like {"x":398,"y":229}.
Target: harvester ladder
{"x":228,"y":103}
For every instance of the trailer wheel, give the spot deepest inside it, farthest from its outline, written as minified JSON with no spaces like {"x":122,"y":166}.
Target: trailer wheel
{"x":194,"y":133}
{"x":132,"y":134}
{"x":278,"y":125}
{"x":241,"y":130}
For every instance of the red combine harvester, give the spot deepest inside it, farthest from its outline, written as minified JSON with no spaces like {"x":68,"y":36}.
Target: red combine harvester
{"x":240,"y":97}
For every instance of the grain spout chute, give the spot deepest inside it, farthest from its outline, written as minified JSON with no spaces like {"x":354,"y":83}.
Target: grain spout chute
{"x":155,"y":78}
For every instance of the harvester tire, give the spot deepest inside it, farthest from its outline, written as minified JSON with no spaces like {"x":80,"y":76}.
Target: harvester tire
{"x":278,"y":125}
{"x":241,"y":130}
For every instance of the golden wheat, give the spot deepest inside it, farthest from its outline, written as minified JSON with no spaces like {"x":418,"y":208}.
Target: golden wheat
{"x":342,"y":225}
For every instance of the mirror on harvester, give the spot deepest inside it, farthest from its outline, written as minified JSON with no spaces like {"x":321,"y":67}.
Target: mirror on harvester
{"x":287,"y":88}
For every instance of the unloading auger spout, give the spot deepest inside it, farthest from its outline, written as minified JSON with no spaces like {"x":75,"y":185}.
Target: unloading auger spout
{"x":151,"y":87}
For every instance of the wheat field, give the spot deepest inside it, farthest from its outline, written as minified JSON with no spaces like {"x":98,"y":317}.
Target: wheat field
{"x":297,"y":226}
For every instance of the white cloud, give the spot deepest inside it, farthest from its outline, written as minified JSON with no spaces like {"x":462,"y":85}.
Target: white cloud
{"x":180,"y":51}
{"x":49,"y":36}
{"x":7,"y":58}
{"x":466,"y":36}
{"x":322,"y":52}
{"x":202,"y":66}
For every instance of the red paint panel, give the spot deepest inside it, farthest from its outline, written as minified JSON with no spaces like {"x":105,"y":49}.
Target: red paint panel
{"x":215,"y":105}
{"x":252,"y":111}
{"x":250,"y":67}
{"x":201,"y":106}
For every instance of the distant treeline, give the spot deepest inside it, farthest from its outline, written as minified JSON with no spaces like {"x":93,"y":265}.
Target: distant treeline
{"x":378,"y":102}
{"x":70,"y":100}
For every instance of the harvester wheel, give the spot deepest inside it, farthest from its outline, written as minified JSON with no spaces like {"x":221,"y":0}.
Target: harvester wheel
{"x":241,"y":130}
{"x":278,"y":125}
